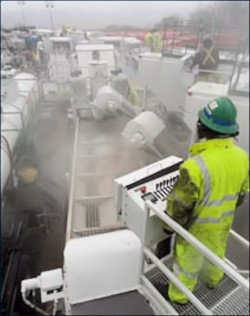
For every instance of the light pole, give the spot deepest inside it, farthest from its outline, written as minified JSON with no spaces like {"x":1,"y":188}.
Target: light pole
{"x":50,"y":6}
{"x":22,"y":3}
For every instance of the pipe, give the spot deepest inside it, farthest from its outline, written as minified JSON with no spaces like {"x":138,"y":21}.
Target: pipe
{"x":198,"y":245}
{"x":31,"y":305}
{"x":239,"y":238}
{"x":28,"y":285}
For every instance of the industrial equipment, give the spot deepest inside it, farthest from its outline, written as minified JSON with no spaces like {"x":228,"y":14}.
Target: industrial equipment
{"x":126,"y":261}
{"x":113,"y":228}
{"x":59,"y":68}
{"x":18,"y":110}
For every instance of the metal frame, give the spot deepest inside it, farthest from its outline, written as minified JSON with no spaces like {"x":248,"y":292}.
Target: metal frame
{"x":241,"y":281}
{"x":72,"y":183}
{"x":226,"y":266}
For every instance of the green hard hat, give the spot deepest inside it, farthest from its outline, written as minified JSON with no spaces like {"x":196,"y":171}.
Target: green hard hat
{"x":220,"y":116}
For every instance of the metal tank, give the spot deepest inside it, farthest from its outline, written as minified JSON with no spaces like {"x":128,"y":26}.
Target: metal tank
{"x":15,"y":116}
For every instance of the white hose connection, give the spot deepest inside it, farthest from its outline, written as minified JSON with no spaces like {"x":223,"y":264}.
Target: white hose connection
{"x":55,"y":306}
{"x":31,"y":285}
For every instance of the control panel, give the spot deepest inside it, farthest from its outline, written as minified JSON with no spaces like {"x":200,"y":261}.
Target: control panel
{"x":155,"y":190}
{"x":153,"y":182}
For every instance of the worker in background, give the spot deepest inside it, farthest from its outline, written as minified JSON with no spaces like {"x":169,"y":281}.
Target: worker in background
{"x":207,"y":58}
{"x":212,"y":183}
{"x":121,"y":85}
{"x":154,"y":41}
{"x":148,"y":39}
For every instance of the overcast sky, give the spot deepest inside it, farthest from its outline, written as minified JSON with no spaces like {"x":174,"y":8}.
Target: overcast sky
{"x":94,"y":14}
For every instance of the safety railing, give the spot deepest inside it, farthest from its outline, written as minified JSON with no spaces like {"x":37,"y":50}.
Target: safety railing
{"x":214,"y":76}
{"x":230,"y":271}
{"x":72,"y":183}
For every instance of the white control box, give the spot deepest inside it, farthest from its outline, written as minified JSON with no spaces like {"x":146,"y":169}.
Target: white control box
{"x":153,"y":182}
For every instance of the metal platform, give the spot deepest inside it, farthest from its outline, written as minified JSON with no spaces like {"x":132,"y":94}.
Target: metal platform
{"x":130,"y":303}
{"x":226,"y":299}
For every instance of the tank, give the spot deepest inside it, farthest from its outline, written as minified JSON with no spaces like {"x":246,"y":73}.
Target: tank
{"x":15,"y":116}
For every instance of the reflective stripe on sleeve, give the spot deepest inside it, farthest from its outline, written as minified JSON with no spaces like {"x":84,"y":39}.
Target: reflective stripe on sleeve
{"x":207,"y":186}
{"x":225,"y":198}
{"x":212,"y":219}
{"x":206,"y":179}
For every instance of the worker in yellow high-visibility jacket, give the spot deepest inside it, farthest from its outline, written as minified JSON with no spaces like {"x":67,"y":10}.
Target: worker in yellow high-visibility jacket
{"x":153,"y":40}
{"x":148,"y":39}
{"x":156,"y":42}
{"x":212,"y":183}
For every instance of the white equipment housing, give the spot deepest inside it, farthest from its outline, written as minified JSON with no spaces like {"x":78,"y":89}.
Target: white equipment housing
{"x":201,"y":93}
{"x":114,"y":259}
{"x":167,"y":77}
{"x":132,"y":190}
{"x":108,"y":102}
{"x":59,"y":69}
{"x":137,"y":130}
{"x":98,"y":75}
{"x":85,"y":56}
{"x":14,"y":118}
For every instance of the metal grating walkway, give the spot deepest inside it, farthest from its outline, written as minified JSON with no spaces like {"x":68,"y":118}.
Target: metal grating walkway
{"x":226,"y":299}
{"x":230,"y":305}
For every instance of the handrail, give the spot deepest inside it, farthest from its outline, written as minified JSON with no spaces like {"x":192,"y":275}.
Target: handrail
{"x":240,"y":280}
{"x":72,"y":183}
{"x":241,"y":239}
{"x":170,"y":275}
{"x":161,"y":302}
{"x":215,"y":72}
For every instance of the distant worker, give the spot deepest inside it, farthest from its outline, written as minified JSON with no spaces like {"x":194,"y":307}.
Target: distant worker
{"x":207,"y":58}
{"x":148,"y":39}
{"x":121,"y":85}
{"x":154,"y":41}
{"x":212,"y":183}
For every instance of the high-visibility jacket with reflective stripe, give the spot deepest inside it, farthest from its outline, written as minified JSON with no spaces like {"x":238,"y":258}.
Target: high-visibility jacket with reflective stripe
{"x":156,"y":43}
{"x":148,"y":39}
{"x":210,"y":184}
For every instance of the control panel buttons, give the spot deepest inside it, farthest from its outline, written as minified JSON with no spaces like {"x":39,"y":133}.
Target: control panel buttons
{"x":143,"y":189}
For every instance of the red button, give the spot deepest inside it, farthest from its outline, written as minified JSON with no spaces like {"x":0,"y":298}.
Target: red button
{"x":143,"y":189}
